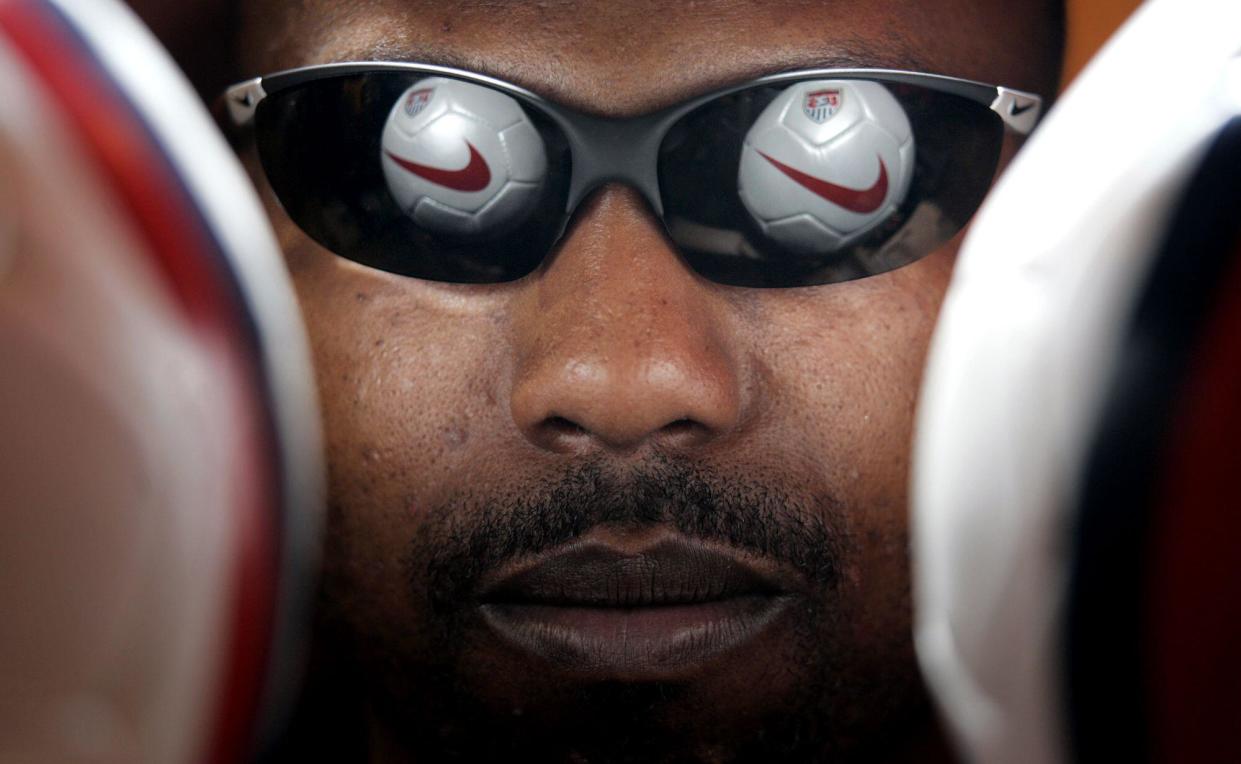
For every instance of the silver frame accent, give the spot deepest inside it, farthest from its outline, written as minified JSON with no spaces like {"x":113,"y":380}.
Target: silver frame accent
{"x":1020,"y":111}
{"x":626,"y":150}
{"x":243,"y":100}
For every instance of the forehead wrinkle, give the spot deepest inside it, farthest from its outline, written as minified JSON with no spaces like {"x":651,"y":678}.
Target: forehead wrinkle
{"x":851,"y":53}
{"x":540,"y":77}
{"x":591,"y":61}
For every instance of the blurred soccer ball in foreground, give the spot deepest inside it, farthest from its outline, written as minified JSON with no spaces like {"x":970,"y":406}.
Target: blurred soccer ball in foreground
{"x":825,"y":163}
{"x":460,"y":158}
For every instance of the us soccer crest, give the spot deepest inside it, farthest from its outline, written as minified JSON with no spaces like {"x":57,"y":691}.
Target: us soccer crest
{"x":821,"y":105}
{"x":416,"y":101}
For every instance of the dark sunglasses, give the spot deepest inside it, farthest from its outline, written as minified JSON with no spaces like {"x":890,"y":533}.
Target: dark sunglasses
{"x":794,"y":179}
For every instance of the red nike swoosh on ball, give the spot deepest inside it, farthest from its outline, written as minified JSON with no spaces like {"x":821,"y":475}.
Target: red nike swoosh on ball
{"x":860,"y":200}
{"x":473,"y":177}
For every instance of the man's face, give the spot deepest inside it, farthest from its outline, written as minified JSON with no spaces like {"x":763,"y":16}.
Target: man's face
{"x":613,"y":509}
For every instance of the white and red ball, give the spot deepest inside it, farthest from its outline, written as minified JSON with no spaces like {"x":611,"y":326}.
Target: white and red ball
{"x":825,"y":163}
{"x":461,"y":158}
{"x":1035,"y":334}
{"x":160,"y":458}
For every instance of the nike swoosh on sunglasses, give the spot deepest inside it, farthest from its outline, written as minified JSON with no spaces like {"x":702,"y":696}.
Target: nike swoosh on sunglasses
{"x":795,"y":179}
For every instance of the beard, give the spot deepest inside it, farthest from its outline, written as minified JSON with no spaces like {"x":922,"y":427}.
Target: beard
{"x":433,"y":694}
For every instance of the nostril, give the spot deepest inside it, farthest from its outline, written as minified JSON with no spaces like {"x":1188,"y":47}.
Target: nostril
{"x":561,"y":427}
{"x":561,"y":434}
{"x":681,"y":427}
{"x":683,"y":432}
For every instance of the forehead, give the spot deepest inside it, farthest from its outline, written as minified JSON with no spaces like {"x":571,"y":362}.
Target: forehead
{"x":628,"y":57}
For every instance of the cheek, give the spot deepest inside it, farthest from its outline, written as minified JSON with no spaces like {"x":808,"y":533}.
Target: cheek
{"x":845,"y":364}
{"x":847,"y":360}
{"x":408,"y":378}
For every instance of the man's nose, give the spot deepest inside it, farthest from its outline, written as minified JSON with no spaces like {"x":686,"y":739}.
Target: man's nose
{"x":618,"y":344}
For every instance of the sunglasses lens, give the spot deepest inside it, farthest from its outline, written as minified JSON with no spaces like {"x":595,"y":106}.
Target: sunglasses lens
{"x":779,"y":185}
{"x":823,"y":181}
{"x":431,"y":177}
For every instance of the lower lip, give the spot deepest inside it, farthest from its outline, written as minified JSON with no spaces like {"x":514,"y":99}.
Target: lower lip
{"x":634,"y":643}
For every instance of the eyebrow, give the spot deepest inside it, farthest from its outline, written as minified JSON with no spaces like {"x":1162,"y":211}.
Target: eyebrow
{"x":855,"y":53}
{"x":390,"y":50}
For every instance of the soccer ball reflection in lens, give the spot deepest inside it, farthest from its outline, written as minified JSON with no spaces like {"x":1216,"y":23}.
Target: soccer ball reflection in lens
{"x":462,"y":159}
{"x":825,"y":163}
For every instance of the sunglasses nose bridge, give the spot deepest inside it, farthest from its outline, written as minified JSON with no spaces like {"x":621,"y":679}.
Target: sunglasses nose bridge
{"x":615,"y":151}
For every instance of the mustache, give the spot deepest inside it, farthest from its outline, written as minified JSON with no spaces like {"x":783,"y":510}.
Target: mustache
{"x":466,"y":538}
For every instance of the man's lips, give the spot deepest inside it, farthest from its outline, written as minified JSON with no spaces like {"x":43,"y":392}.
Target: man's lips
{"x":621,"y":608}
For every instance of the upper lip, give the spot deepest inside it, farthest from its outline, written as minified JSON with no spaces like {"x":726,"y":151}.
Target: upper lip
{"x":598,"y":572}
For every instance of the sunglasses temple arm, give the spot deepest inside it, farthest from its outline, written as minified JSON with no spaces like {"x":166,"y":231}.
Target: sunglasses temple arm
{"x":1019,"y":110}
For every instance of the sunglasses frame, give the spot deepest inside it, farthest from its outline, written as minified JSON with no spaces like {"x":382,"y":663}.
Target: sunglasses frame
{"x":626,"y":150}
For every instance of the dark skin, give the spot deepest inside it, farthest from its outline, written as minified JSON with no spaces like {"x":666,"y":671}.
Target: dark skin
{"x":444,"y":403}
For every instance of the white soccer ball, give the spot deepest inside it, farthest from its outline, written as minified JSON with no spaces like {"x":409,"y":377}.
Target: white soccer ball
{"x":461,"y":158}
{"x":825,"y":163}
